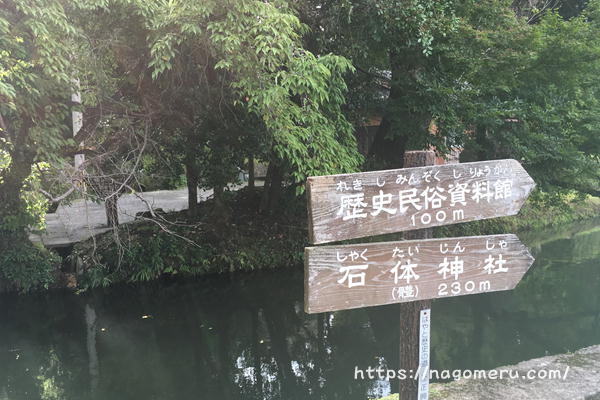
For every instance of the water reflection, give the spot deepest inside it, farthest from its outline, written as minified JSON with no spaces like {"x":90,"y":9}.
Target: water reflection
{"x":247,"y":337}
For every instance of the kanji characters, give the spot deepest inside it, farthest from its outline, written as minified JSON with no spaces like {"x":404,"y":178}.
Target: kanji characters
{"x":503,"y":189}
{"x":352,"y":206}
{"x":433,"y":197}
{"x":353,"y":275}
{"x":493,"y":265}
{"x":481,"y":191}
{"x":408,"y":272}
{"x":458,"y":193}
{"x":380,"y":201}
{"x":409,"y":197}
{"x":454,"y":267}
{"x":406,"y":292}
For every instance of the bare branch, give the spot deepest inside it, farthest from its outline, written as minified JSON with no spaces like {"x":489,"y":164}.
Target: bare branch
{"x":59,"y":198}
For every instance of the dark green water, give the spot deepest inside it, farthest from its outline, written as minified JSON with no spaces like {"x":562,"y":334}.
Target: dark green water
{"x":247,"y":337}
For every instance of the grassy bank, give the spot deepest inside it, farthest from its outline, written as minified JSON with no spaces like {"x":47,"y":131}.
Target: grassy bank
{"x":246,"y":240}
{"x":172,"y":244}
{"x":535,"y":214}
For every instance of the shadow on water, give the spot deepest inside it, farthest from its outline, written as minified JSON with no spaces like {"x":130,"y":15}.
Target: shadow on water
{"x":246,"y":336}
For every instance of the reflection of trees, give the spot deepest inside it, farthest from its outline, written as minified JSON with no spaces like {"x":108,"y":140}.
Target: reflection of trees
{"x":91,"y":331}
{"x":36,"y":338}
{"x":48,"y":379}
{"x":249,"y":338}
{"x":553,"y":310}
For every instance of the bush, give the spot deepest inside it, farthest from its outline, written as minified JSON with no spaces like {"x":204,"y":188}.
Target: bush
{"x":25,"y":266}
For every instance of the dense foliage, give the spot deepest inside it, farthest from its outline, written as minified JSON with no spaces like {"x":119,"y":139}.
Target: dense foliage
{"x":504,"y":84}
{"x":35,"y":82}
{"x":191,"y":92}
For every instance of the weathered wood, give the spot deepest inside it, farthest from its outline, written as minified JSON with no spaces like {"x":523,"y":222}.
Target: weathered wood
{"x":419,"y":158}
{"x":362,"y":275}
{"x":356,"y":205}
{"x":410,"y":313}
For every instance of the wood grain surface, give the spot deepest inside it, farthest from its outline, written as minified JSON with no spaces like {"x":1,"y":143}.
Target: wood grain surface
{"x":364,"y":204}
{"x":361,"y":275}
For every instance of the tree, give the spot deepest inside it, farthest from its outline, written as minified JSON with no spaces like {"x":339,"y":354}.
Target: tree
{"x":545,"y":110}
{"x":202,"y":71}
{"x":391,"y":43}
{"x":501,"y":84}
{"x":35,"y":85}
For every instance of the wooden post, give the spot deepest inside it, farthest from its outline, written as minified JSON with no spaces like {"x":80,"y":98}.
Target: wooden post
{"x":347,"y":206}
{"x":410,"y":313}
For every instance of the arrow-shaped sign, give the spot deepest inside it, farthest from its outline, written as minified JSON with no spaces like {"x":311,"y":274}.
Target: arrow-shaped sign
{"x":372,"y":203}
{"x":361,"y":275}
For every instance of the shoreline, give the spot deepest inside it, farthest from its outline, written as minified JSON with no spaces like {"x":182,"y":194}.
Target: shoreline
{"x":145,"y":250}
{"x":578,"y":379}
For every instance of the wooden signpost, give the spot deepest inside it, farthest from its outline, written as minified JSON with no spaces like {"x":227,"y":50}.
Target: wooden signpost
{"x":412,"y":272}
{"x":363,"y":275}
{"x":350,"y":206}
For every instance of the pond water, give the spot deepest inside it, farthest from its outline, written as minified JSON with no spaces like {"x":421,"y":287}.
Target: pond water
{"x":246,"y":336}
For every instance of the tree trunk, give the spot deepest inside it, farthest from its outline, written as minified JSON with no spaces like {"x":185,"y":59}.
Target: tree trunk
{"x":11,"y":205}
{"x":272,"y":189}
{"x":387,"y":150}
{"x":218,"y":192}
{"x":265,"y":195}
{"x":400,"y":125}
{"x":10,"y":197}
{"x":251,"y":178}
{"x":112,"y":211}
{"x":276,"y":188}
{"x":220,"y":214}
{"x":191,"y":175}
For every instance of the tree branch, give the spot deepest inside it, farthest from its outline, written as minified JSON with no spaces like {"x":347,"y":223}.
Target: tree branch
{"x":3,"y":127}
{"x":59,"y":198}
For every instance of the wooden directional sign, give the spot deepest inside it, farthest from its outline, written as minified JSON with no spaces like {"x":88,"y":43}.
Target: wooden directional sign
{"x":360,"y":275}
{"x":371,"y":203}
